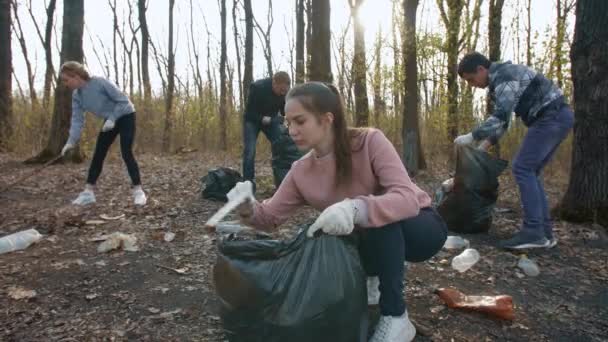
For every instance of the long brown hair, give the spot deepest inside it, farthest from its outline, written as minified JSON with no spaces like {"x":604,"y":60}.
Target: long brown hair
{"x":320,"y":98}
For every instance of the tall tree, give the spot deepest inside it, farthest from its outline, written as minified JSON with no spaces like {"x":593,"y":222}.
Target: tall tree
{"x":320,"y":42}
{"x":170,"y":85}
{"x":237,"y":47}
{"x":6,"y":79}
{"x":413,"y":158}
{"x":17,"y":28}
{"x":587,"y":196}
{"x":563,"y":8}
{"x":452,"y":19}
{"x":494,"y":41}
{"x":223,"y":96}
{"x":145,"y":40}
{"x":248,"y":73}
{"x":71,"y":50}
{"x":49,"y":73}
{"x":529,"y":33}
{"x":264,"y":36}
{"x":300,"y":27}
{"x":359,"y":67}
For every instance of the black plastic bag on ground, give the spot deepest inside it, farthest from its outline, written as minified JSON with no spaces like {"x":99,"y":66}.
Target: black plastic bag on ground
{"x":218,"y":182}
{"x":468,"y":207}
{"x":299,"y":290}
{"x":284,"y":153}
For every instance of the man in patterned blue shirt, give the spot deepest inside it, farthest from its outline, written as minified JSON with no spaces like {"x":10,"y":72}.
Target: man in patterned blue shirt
{"x":541,"y":106}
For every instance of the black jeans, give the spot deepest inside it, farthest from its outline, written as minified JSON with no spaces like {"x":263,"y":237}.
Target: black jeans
{"x":383,"y":251}
{"x":125,"y":126}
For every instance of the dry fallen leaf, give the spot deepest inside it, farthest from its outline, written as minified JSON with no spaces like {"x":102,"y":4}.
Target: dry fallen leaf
{"x":17,"y":293}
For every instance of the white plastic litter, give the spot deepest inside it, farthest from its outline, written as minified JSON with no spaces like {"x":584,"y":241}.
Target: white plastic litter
{"x":118,"y":240}
{"x":465,"y":260}
{"x":455,"y":242}
{"x":529,"y":267}
{"x":18,"y":241}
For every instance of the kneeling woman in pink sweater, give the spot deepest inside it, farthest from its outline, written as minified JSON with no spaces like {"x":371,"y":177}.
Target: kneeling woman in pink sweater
{"x":357,"y":180}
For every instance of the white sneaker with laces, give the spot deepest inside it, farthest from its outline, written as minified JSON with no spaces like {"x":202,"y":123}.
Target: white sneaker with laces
{"x":139,"y":197}
{"x":394,"y":329}
{"x":373,"y":293}
{"x":84,"y":198}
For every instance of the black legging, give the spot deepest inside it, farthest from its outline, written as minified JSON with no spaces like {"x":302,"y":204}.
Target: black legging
{"x":125,"y":126}
{"x":384,"y":249}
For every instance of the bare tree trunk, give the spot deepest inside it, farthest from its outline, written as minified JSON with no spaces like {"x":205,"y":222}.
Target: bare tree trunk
{"x":237,"y":47}
{"x":145,"y":40}
{"x":30,"y":74}
{"x":264,"y":37}
{"x":587,"y":196}
{"x":49,"y":73}
{"x":494,"y":41}
{"x":308,"y":43}
{"x":379,"y":103}
{"x":320,"y":68}
{"x":170,"y":85}
{"x":396,"y":29}
{"x":529,"y":33}
{"x":71,"y":50}
{"x":563,"y":9}
{"x":300,"y":28}
{"x":413,"y":157}
{"x":248,"y":74}
{"x":6,"y":77}
{"x":359,"y":68}
{"x":223,"y":97}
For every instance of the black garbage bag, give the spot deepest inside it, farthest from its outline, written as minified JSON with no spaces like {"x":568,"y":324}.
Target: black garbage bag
{"x":299,"y":290}
{"x":218,"y":182}
{"x":468,"y":207}
{"x":284,"y":153}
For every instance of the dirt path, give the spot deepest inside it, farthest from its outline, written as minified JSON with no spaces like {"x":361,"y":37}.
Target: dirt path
{"x":83,"y":295}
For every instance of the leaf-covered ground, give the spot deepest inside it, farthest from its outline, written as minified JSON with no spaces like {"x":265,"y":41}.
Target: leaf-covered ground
{"x":164,"y":291}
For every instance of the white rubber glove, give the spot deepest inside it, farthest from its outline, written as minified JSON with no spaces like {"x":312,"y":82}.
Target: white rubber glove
{"x":66,"y":148}
{"x":108,"y":125}
{"x":243,"y":192}
{"x":337,"y":219}
{"x":465,"y":139}
{"x":266,"y":120}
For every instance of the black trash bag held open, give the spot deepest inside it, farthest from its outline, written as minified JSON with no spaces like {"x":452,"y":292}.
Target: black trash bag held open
{"x":284,"y":153}
{"x":299,"y":290}
{"x":218,"y":182}
{"x":468,"y":207}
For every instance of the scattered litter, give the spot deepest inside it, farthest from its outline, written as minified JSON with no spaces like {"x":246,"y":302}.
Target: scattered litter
{"x":529,"y":267}
{"x":497,"y":306}
{"x":455,"y":242}
{"x":465,"y":260}
{"x":18,"y":241}
{"x":182,"y":270}
{"x":111,"y":218}
{"x":91,"y":296}
{"x":169,"y":236}
{"x":18,"y":293}
{"x":118,"y":240}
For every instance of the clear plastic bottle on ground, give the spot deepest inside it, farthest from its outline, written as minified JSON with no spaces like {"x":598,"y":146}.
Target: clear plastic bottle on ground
{"x":19,"y":240}
{"x":465,"y":260}
{"x":529,"y":267}
{"x":455,"y":242}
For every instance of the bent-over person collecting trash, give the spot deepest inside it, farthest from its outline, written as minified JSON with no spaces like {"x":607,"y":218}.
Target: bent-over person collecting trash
{"x":541,"y":106}
{"x":102,"y":98}
{"x":357,"y":180}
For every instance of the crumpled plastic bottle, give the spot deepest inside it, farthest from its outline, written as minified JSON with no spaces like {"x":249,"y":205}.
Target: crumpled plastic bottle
{"x":529,"y":267}
{"x":465,"y":260}
{"x":455,"y":242}
{"x":19,"y":240}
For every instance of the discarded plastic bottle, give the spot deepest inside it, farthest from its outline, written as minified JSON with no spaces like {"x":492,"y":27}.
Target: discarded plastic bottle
{"x":528,"y":266}
{"x":497,"y":306}
{"x":19,"y":240}
{"x":465,"y":260}
{"x":455,"y":242}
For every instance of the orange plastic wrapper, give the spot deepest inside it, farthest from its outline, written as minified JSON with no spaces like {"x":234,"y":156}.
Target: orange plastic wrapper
{"x":497,"y":306}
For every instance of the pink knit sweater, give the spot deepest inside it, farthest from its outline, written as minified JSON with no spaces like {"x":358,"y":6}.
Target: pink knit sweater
{"x":379,"y":179}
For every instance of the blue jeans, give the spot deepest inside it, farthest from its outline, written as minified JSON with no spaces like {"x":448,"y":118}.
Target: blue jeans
{"x":251,"y":130}
{"x":539,"y":145}
{"x":384,"y":249}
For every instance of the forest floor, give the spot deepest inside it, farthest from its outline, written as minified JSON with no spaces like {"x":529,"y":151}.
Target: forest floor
{"x":164,"y":291}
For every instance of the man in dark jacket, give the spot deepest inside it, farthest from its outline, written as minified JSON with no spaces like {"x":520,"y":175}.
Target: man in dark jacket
{"x":541,"y":106}
{"x":264,"y":112}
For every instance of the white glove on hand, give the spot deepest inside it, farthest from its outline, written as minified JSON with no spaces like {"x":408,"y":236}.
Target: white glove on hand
{"x":108,"y":125}
{"x":243,"y":193}
{"x":66,"y":148}
{"x":266,"y":120}
{"x":466,"y":139}
{"x":337,"y":219}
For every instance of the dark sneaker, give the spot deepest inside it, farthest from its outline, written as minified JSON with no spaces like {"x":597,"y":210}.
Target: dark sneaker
{"x":552,"y":242}
{"x":522,"y":241}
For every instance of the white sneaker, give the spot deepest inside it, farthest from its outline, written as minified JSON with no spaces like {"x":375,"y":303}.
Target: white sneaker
{"x":84,"y":198}
{"x":139,"y":197}
{"x":373,"y":293}
{"x":394,"y":329}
